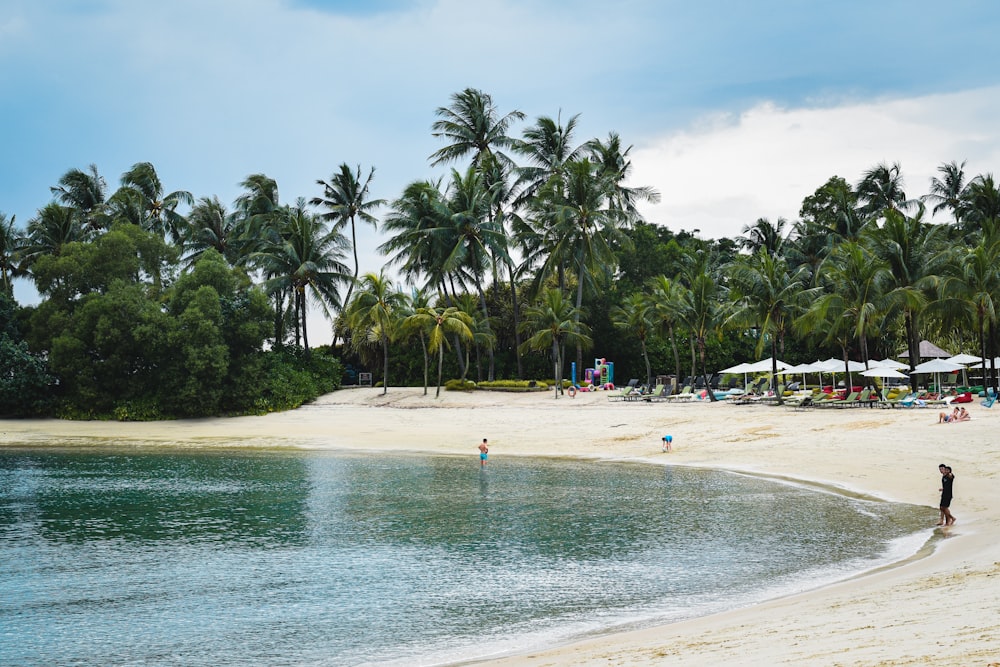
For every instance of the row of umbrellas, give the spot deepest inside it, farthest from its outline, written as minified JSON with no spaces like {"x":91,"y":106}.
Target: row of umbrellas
{"x":886,"y":368}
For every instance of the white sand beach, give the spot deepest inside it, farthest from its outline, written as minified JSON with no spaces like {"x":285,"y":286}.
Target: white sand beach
{"x":942,"y":609}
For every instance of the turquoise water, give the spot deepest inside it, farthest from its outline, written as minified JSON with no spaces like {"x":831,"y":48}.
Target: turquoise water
{"x":180,"y":558}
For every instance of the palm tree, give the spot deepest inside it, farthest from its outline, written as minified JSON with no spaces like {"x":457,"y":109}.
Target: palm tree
{"x":635,"y":317}
{"x":704,"y":309}
{"x":915,"y":257}
{"x":439,"y":323}
{"x":615,"y":165}
{"x":547,"y":145}
{"x":948,"y":192}
{"x":141,"y":200}
{"x":345,"y":198}
{"x":981,"y":202}
{"x":374,"y":310}
{"x":856,"y":299}
{"x":52,"y":227}
{"x":763,"y":234}
{"x":11,"y":240}
{"x":767,"y":296}
{"x":210,"y":225}
{"x":304,"y":257}
{"x":473,"y":126}
{"x":85,"y":192}
{"x":553,"y":322}
{"x":667,"y":297}
{"x":881,"y":189}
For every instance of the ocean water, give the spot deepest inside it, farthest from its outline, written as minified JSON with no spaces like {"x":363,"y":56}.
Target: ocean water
{"x":128,"y":557}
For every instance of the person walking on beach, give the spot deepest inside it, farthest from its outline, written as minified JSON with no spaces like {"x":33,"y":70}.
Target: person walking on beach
{"x":947,"y":480}
{"x":483,"y":453}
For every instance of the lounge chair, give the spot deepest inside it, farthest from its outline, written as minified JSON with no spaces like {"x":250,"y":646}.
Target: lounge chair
{"x":684,"y":395}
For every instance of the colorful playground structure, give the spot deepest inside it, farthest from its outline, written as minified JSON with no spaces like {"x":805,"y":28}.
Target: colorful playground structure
{"x":601,"y":376}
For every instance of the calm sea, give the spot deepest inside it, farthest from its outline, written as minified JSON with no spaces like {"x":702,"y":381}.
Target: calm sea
{"x":177,"y":558}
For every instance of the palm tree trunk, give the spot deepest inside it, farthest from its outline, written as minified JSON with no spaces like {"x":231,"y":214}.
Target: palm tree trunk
{"x":517,"y":321}
{"x":649,"y":368}
{"x":489,"y":330}
{"x":704,"y":373}
{"x":555,"y":370}
{"x":437,"y":392}
{"x":677,"y":354}
{"x":305,"y":332}
{"x":423,"y":347}
{"x":385,"y":364}
{"x":455,"y":338}
{"x":354,"y":247}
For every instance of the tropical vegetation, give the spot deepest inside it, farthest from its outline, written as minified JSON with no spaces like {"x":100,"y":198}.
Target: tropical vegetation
{"x":528,"y":253}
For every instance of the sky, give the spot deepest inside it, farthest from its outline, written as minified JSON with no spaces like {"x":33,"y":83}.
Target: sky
{"x":735,"y":110}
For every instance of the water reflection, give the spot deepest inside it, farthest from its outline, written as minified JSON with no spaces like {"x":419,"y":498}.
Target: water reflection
{"x":86,"y":497}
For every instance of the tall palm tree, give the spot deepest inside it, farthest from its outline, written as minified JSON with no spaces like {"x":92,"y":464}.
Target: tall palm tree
{"x":142,"y":201}
{"x":548,"y":147}
{"x":667,"y":297}
{"x":211,"y":225}
{"x":915,"y":255}
{"x":857,"y":297}
{"x":304,"y":257}
{"x":52,"y":227}
{"x":767,"y":296}
{"x":375,"y":310}
{"x":553,"y":322}
{"x":615,"y":164}
{"x":881,"y":189}
{"x":473,"y":125}
{"x":84,"y":191}
{"x":636,"y":317}
{"x":764,"y":234}
{"x":439,"y":323}
{"x":472,"y":237}
{"x":981,"y":202}
{"x":345,"y":198}
{"x":11,"y":241}
{"x":704,"y":309}
{"x":948,"y":191}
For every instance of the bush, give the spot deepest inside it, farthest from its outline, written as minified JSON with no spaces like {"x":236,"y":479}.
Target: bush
{"x":514,"y":385}
{"x":460,"y":385}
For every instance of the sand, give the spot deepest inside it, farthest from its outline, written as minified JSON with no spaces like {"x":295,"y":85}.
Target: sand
{"x":941,"y":609}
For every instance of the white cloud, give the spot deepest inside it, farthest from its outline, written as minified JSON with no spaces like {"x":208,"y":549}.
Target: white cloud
{"x":725,"y":172}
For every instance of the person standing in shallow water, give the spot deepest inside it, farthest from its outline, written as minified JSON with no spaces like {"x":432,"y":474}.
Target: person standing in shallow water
{"x":947,"y":480}
{"x":483,"y":453}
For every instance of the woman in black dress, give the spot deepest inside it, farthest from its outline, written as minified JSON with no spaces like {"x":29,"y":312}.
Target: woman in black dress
{"x":947,"y":480}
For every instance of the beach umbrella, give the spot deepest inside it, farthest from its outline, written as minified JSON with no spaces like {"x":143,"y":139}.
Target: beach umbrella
{"x":890,"y":363}
{"x":738,"y":368}
{"x":882,"y":372}
{"x":801,"y":368}
{"x":764,"y":366}
{"x":937,"y":366}
{"x":927,"y":350}
{"x":962,"y":358}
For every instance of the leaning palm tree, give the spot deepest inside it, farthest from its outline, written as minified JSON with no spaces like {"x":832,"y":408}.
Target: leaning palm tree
{"x":636,"y":317}
{"x":345,"y":198}
{"x":438,"y":324}
{"x":375,"y":310}
{"x":553,"y":322}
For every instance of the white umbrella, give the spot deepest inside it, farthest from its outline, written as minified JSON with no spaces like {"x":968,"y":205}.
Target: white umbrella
{"x":962,"y":358}
{"x":735,"y":370}
{"x":937,"y":366}
{"x":801,"y":368}
{"x":765,"y":365}
{"x":890,"y":363}
{"x":882,"y":372}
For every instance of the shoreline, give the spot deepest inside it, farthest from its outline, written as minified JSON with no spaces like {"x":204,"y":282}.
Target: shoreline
{"x":939,"y":608}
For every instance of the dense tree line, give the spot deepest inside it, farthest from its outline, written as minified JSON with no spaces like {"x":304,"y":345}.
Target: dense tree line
{"x":529,"y":253}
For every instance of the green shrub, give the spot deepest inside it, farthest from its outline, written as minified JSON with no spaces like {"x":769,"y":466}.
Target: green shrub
{"x":460,"y":385}
{"x":513,"y":385}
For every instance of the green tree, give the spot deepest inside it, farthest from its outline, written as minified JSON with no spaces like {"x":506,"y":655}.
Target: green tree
{"x":438,"y":324}
{"x":84,"y":192}
{"x":636,"y":317}
{"x":142,"y":200}
{"x":374,"y":311}
{"x":473,"y":126}
{"x":11,"y":242}
{"x":551,"y":323}
{"x":345,"y":197}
